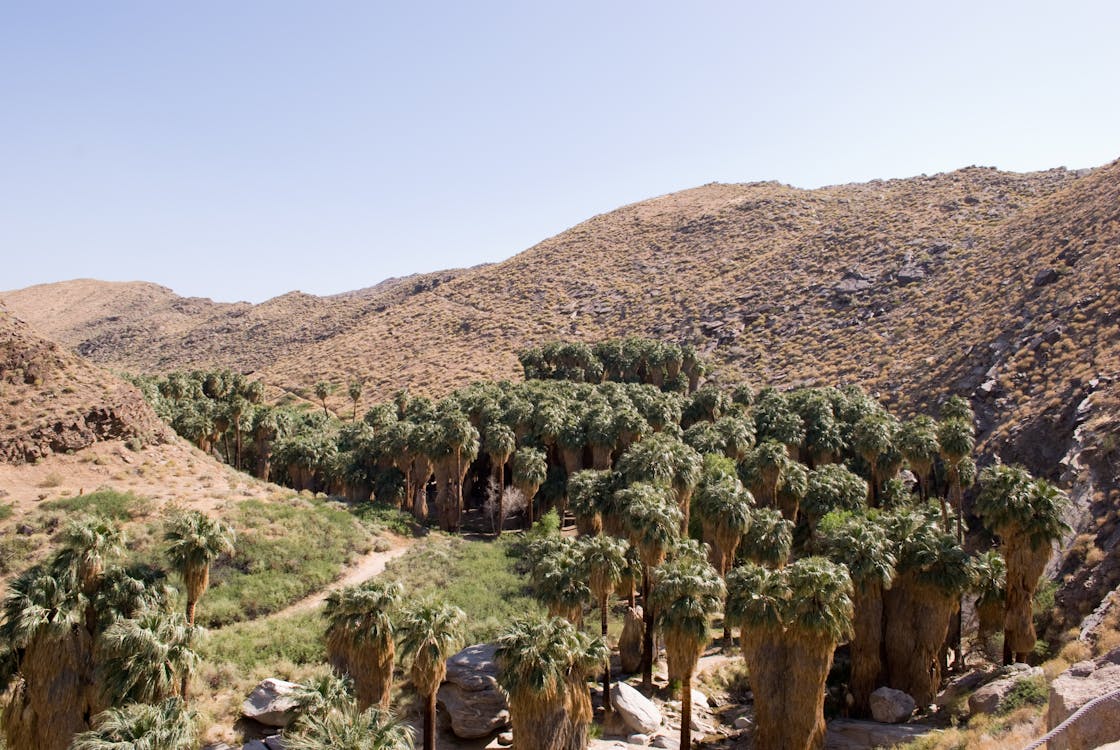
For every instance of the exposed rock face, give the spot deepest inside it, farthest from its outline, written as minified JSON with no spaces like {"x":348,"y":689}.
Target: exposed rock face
{"x":1074,"y":688}
{"x":272,"y":703}
{"x":638,"y":711}
{"x":630,"y":642}
{"x":470,"y":693}
{"x":849,"y":734}
{"x":989,"y":698}
{"x":890,"y":706}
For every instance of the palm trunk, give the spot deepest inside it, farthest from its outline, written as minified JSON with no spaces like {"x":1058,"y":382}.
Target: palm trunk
{"x":686,"y":712}
{"x":501,"y":496}
{"x":430,"y":722}
{"x":607,"y":708}
{"x":647,"y":635}
{"x":190,"y":611}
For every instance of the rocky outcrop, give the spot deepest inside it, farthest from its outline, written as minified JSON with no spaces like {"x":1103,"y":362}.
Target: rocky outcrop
{"x":273,"y":703}
{"x":639,"y":712}
{"x":470,"y":693}
{"x":989,"y":698}
{"x":849,"y":734}
{"x":1077,"y":687}
{"x":890,"y":706}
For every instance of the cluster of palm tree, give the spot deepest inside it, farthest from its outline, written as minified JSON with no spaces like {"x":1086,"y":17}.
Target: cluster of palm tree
{"x":682,"y":492}
{"x":83,"y":636}
{"x":365,"y":624}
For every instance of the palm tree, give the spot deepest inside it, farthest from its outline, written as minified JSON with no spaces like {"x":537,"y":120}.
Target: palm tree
{"x":917,"y":440}
{"x":499,"y":443}
{"x":957,"y":439}
{"x":349,"y":728}
{"x":768,"y":538}
{"x":354,"y":390}
{"x":604,"y":563}
{"x":791,"y":620}
{"x":832,"y":487}
{"x":530,"y":469}
{"x":169,"y":725}
{"x":990,"y":587}
{"x":763,"y":470}
{"x":194,"y":541}
{"x":360,"y":637}
{"x":1027,"y":515}
{"x":723,"y":506}
{"x":873,"y":436}
{"x":862,"y":546}
{"x":429,"y":633}
{"x":147,"y":659}
{"x":687,"y":593}
{"x":87,"y":544}
{"x":932,"y":572}
{"x":653,"y":522}
{"x":588,"y":494}
{"x":543,"y":666}
{"x":558,"y":582}
{"x":323,"y":390}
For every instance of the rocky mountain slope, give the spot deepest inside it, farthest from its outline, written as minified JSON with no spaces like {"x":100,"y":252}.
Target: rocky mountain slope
{"x":1001,"y":287}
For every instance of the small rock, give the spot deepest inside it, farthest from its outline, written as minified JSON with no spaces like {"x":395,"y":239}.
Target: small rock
{"x":665,"y":742}
{"x":637,"y":711}
{"x":890,"y":706}
{"x":505,"y":739}
{"x":275,"y":742}
{"x":910,"y":275}
{"x":1045,"y":276}
{"x":742,"y":723}
{"x":25,"y":530}
{"x":272,"y":703}
{"x":254,"y":745}
{"x":989,"y":698}
{"x":700,"y":700}
{"x":638,"y":739}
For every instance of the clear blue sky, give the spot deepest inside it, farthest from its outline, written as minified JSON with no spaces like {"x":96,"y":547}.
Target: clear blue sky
{"x":238,"y":149}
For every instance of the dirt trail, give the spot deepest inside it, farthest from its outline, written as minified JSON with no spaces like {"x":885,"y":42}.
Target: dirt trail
{"x":367,"y":566}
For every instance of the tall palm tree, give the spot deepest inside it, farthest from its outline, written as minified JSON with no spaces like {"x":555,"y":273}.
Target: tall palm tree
{"x":957,"y":438}
{"x":169,"y":725}
{"x":603,"y":561}
{"x":146,"y":659}
{"x":499,"y":443}
{"x":791,"y":620}
{"x":932,"y":573}
{"x":832,"y":487}
{"x":558,"y":582}
{"x":873,"y":436}
{"x":323,"y":390}
{"x":724,"y":509}
{"x":588,"y":494}
{"x":917,"y":440}
{"x":687,"y":593}
{"x":543,"y":667}
{"x":354,"y":391}
{"x":88,"y":544}
{"x":194,"y":541}
{"x":530,"y":469}
{"x":1027,"y":515}
{"x":349,"y":728}
{"x":653,"y":521}
{"x":768,"y":538}
{"x":763,"y":470}
{"x":862,"y":546}
{"x":429,"y":634}
{"x":664,"y":460}
{"x":360,"y":637}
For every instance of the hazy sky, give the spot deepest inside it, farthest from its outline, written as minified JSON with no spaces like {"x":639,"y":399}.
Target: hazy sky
{"x":239,"y":150}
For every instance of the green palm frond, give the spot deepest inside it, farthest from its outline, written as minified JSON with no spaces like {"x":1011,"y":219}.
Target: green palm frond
{"x":143,"y":660}
{"x":686,"y":592}
{"x":169,"y":725}
{"x":348,"y":728}
{"x":363,"y":614}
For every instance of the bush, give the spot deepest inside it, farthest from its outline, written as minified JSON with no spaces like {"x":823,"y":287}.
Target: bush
{"x":296,"y":638}
{"x":381,"y":516}
{"x":1031,"y":691}
{"x":118,"y":506}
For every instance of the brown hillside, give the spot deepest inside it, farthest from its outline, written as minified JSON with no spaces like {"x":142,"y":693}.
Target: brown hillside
{"x":56,"y":402}
{"x":146,"y":327}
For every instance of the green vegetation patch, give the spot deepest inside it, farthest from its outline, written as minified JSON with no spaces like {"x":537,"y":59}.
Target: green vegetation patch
{"x":1031,"y":691}
{"x":296,"y":638}
{"x":119,"y":506}
{"x":479,"y":577}
{"x":6,"y":511}
{"x":380,"y":516}
{"x":285,"y":551}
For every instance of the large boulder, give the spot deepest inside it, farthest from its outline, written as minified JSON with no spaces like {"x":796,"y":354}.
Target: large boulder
{"x":272,"y":703}
{"x":638,"y":712}
{"x":630,"y":642}
{"x":470,"y":693}
{"x":989,"y":698}
{"x":850,"y":734}
{"x":1076,"y":687}
{"x":890,"y":706}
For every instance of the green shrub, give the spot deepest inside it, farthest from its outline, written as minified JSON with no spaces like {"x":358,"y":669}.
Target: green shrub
{"x":381,"y":516}
{"x":1031,"y":691}
{"x":6,"y":511}
{"x":478,"y":577}
{"x":296,"y":638}
{"x":119,"y":506}
{"x":284,"y":552}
